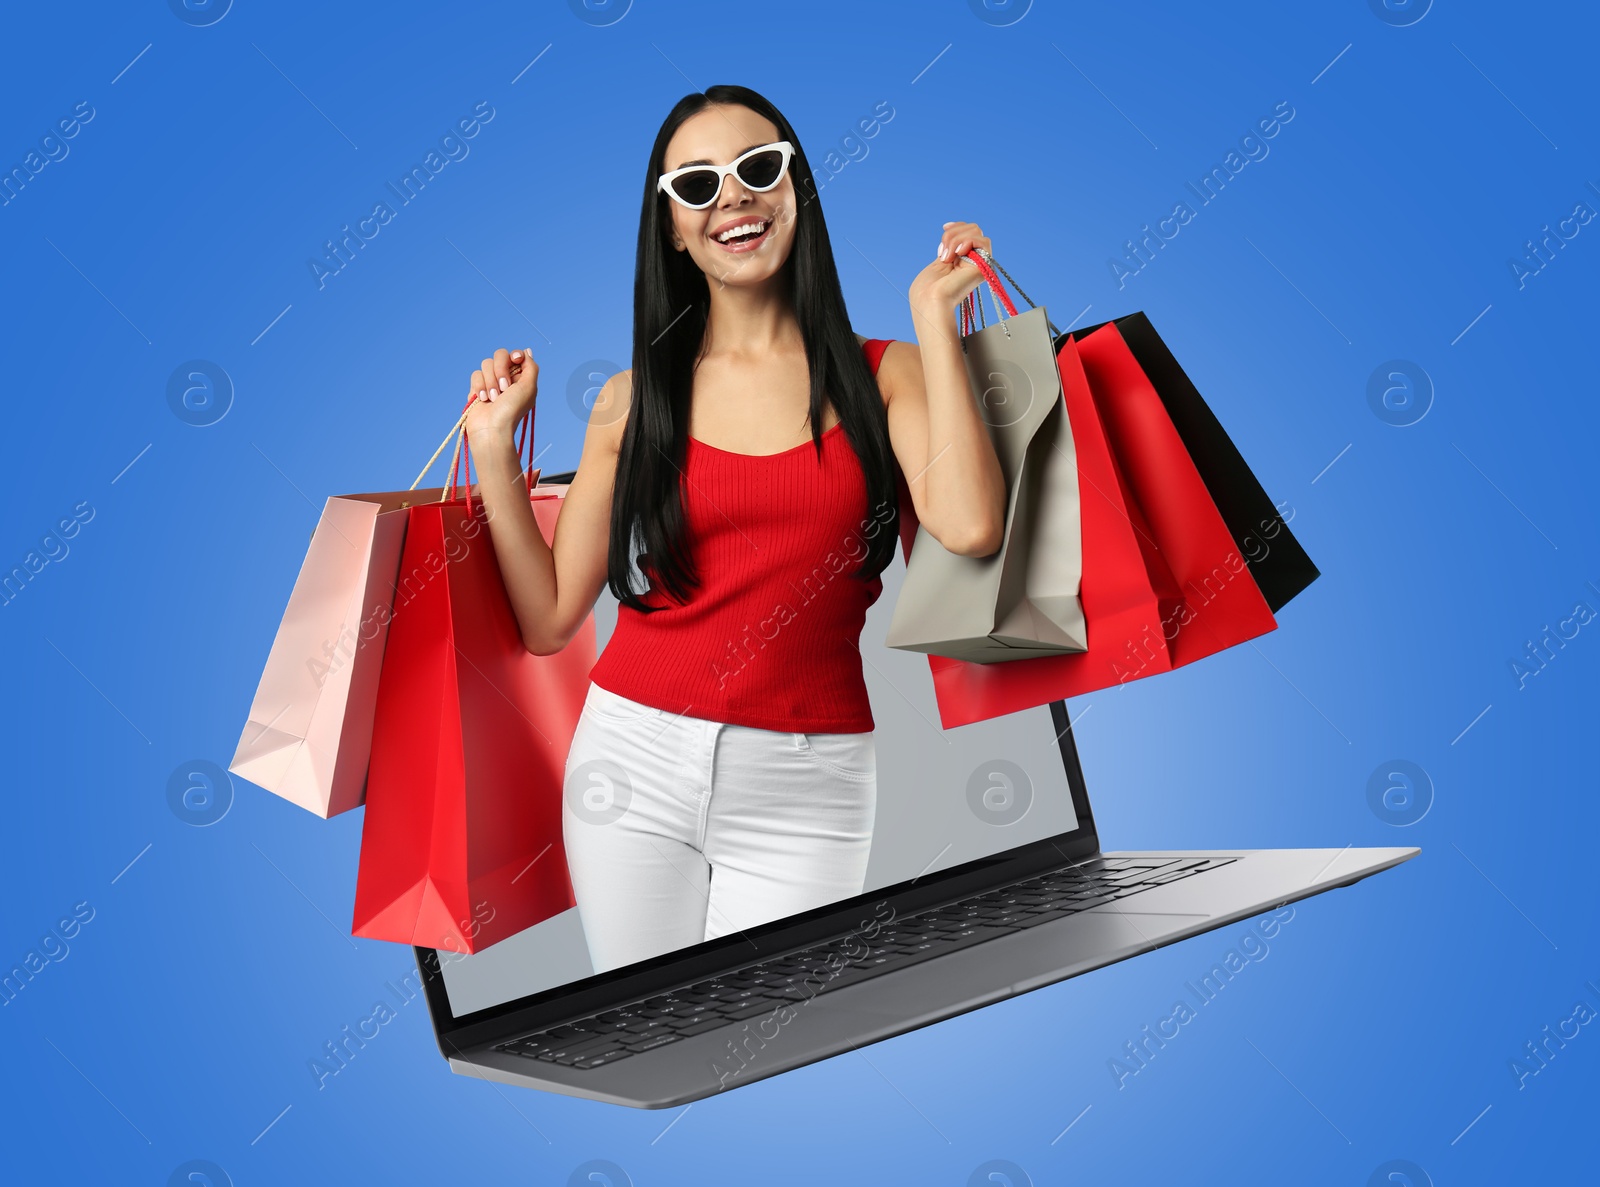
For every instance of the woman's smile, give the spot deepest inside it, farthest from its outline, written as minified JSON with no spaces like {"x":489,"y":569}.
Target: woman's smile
{"x":745,"y":233}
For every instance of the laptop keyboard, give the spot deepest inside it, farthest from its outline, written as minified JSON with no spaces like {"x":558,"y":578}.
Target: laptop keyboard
{"x":797,"y":976}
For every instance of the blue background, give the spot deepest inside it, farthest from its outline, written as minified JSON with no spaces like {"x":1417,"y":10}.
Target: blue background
{"x":1379,"y":226}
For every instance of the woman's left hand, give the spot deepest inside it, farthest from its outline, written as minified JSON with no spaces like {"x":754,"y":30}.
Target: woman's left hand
{"x":949,"y":278}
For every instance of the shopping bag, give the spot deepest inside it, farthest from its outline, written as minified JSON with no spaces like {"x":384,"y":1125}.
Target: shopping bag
{"x":1163,"y":584}
{"x":1225,"y":606}
{"x":461,"y":846}
{"x":1278,"y":563}
{"x":1022,"y":600}
{"x":309,"y":731}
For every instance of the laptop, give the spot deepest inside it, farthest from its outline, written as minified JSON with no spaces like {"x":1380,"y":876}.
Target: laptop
{"x":987,"y":879}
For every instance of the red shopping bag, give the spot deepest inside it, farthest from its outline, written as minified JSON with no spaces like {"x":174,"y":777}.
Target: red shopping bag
{"x":1163,"y":582}
{"x":461,"y":846}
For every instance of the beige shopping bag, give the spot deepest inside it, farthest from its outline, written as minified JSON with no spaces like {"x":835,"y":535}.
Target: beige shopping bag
{"x":1022,"y":601}
{"x":309,"y":733}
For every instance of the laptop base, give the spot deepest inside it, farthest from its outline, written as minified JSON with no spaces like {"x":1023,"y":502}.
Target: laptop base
{"x":853,"y":1015}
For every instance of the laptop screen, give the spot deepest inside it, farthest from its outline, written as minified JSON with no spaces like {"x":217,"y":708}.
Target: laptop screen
{"x":943,"y":798}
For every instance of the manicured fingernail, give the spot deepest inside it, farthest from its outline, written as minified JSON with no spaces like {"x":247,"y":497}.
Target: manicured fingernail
{"x":482,"y":397}
{"x":941,"y":252}
{"x":504,"y":383}
{"x":515,"y":355}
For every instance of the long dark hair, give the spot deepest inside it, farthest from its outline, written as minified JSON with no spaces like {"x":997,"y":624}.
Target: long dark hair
{"x":671,"y":302}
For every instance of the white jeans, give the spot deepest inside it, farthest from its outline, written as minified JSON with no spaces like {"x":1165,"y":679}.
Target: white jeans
{"x":679,"y":829}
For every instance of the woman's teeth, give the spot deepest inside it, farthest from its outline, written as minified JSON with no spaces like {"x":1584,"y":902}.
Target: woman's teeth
{"x":744,"y":233}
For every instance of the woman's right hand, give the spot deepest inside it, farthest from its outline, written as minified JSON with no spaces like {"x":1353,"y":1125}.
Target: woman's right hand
{"x":502,"y":391}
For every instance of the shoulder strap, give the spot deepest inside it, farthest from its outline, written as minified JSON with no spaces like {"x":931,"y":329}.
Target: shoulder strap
{"x":873,"y":348}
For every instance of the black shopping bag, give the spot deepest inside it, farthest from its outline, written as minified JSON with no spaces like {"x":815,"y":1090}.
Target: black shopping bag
{"x":1278,"y":564}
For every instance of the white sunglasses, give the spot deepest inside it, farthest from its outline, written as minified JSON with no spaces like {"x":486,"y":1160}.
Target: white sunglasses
{"x":759,"y":170}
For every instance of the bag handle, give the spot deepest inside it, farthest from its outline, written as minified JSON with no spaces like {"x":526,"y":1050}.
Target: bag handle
{"x":459,"y":431}
{"x":982,"y":260}
{"x":972,"y":307}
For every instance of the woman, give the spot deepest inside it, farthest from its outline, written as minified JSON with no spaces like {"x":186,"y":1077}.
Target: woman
{"x":722,"y":774}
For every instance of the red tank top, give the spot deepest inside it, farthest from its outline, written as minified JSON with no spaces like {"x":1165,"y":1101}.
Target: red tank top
{"x":771,"y":636}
